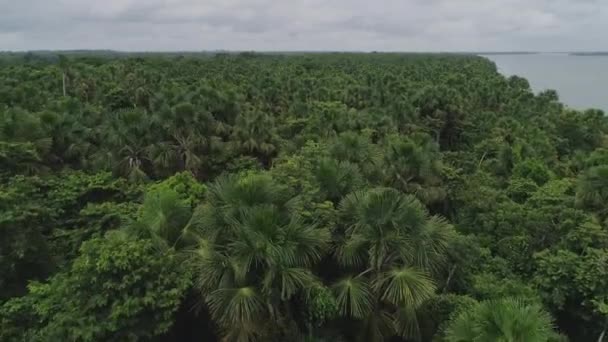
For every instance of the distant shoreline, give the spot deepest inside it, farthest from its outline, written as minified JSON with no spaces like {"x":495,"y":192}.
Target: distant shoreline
{"x":589,"y":54}
{"x":508,"y":53}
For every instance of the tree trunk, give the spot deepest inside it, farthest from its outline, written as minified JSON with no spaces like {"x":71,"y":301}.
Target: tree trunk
{"x":601,"y":338}
{"x":63,"y":79}
{"x":482,"y":158}
{"x":450,"y":275}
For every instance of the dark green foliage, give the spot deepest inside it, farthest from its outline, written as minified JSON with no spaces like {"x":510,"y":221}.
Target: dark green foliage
{"x":532,"y":169}
{"x":319,"y":197}
{"x":592,"y":190}
{"x":438,"y":312}
{"x":24,"y":251}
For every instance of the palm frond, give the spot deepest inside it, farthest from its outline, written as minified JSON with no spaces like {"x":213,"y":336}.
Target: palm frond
{"x":406,"y":323}
{"x":463,"y":328}
{"x":353,"y":252}
{"x":354,"y":297}
{"x":240,"y":311}
{"x":431,"y":244}
{"x":507,"y":319}
{"x":288,"y":281}
{"x":404,"y":287}
{"x":165,"y":215}
{"x":310,"y":242}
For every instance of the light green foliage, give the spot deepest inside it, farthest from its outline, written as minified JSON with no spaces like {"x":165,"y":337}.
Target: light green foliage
{"x":596,"y":158}
{"x":89,"y":301}
{"x":166,"y":212}
{"x":85,"y":206}
{"x":72,"y":190}
{"x":570,"y":284}
{"x":555,"y":192}
{"x":185,"y":185}
{"x":491,"y":286}
{"x":520,"y":189}
{"x":321,"y":306}
{"x":296,"y":171}
{"x":505,"y":320}
{"x":164,"y":218}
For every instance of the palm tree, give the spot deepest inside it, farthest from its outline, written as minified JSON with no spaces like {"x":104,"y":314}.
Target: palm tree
{"x":165,"y":219}
{"x":189,"y":134}
{"x":439,"y":108}
{"x":393,"y":248}
{"x":357,"y":148}
{"x":504,"y":320}
{"x":353,"y":147}
{"x":413,"y":165}
{"x":336,"y":179}
{"x":130,"y":137}
{"x":131,"y":161}
{"x":253,"y":256}
{"x":186,"y":147}
{"x":64,"y":66}
{"x":255,"y":133}
{"x":74,"y":141}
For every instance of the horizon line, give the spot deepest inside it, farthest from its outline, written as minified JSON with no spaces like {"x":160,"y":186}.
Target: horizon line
{"x":478,"y":52}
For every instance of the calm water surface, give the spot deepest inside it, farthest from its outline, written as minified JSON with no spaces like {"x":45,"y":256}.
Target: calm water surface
{"x":581,"y":81}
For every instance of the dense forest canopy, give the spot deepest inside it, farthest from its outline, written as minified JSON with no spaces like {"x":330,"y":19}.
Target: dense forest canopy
{"x":317,"y":197}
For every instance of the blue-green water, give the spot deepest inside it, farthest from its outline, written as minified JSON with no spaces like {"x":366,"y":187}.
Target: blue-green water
{"x":581,"y":81}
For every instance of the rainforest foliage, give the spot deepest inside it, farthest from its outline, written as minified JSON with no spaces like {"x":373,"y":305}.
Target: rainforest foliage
{"x":316,"y":197}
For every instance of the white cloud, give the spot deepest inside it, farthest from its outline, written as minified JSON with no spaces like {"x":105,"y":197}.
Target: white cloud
{"x":398,"y":25}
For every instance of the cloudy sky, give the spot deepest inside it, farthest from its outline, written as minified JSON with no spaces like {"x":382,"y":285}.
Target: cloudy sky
{"x":361,"y":25}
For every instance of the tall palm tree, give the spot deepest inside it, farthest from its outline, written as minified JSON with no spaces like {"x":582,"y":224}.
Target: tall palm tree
{"x":504,"y":320}
{"x":393,"y":248}
{"x":253,"y":256}
{"x":64,"y":66}
{"x":187,"y":147}
{"x":130,"y":135}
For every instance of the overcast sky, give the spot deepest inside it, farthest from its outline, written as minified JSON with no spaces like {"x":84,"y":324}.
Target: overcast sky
{"x":362,"y":25}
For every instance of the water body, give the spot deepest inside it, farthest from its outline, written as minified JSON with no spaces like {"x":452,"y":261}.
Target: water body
{"x":580,"y":81}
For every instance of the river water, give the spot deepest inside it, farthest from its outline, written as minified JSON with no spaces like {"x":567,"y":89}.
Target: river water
{"x":580,"y":81}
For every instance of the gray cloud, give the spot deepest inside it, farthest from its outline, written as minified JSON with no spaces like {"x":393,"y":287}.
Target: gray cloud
{"x":396,"y":25}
